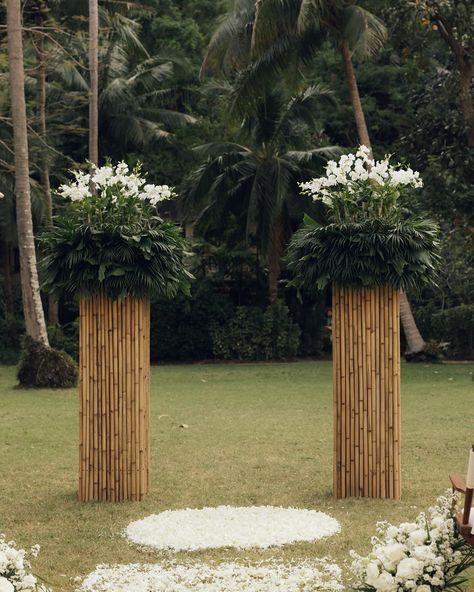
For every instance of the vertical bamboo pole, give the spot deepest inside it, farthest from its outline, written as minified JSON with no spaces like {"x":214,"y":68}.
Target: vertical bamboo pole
{"x":366,"y":392}
{"x":114,"y":399}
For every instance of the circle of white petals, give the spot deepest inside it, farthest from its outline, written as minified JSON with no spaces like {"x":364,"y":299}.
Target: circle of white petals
{"x":227,"y":526}
{"x":268,"y":576}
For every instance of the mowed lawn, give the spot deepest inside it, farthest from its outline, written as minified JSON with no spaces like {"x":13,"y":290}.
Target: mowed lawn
{"x":258,"y":434}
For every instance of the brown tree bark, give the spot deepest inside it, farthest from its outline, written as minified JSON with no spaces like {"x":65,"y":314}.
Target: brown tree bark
{"x":94,"y":81}
{"x":277,"y":248}
{"x":351,"y":80}
{"x":32,"y":305}
{"x":463,"y":58}
{"x":415,"y":342}
{"x":40,"y":17}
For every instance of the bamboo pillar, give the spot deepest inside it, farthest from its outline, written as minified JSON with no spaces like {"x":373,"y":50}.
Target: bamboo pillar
{"x":114,"y":398}
{"x":366,"y":392}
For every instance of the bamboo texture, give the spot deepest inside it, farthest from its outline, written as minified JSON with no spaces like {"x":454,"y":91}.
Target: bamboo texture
{"x":114,"y":399}
{"x":366,"y":392}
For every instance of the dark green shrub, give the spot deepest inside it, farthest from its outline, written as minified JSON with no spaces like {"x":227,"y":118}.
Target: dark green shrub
{"x":44,"y":367}
{"x":65,"y":338}
{"x":11,"y":330}
{"x":255,"y":334}
{"x":180,"y":328}
{"x":456,"y":326}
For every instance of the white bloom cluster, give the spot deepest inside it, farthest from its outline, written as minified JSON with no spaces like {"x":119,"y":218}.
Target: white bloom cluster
{"x":413,"y":557}
{"x":228,"y":526}
{"x":119,"y":180}
{"x":14,"y":569}
{"x":267,"y":576}
{"x":354,"y":169}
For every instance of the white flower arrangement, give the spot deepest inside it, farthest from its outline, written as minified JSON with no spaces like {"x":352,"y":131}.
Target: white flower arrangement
{"x":358,"y":186}
{"x":15,"y":569}
{"x":420,"y":556}
{"x":116,"y":180}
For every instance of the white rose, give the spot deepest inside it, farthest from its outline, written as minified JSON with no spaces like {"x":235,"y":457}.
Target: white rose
{"x":393,"y":554}
{"x":29,"y":581}
{"x":423,"y":553}
{"x":3,"y":561}
{"x":418,"y":537}
{"x":409,"y":568}
{"x":385,"y":583}
{"x":5,"y":585}
{"x":392,"y":532}
{"x":373,"y":573}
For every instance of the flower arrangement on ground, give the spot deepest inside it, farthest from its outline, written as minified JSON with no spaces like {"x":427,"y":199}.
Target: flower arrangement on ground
{"x":111,"y":239}
{"x":15,"y":569}
{"x":366,"y":236}
{"x":427,"y":555}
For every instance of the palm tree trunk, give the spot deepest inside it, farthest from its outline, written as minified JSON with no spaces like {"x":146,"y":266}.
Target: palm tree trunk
{"x":94,"y":81}
{"x":41,"y":109}
{"x":414,"y":339}
{"x":351,"y":80}
{"x":277,"y":248}
{"x":415,"y":342}
{"x":32,"y":305}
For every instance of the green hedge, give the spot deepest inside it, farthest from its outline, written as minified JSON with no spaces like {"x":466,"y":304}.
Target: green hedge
{"x":456,"y":326}
{"x":255,"y":334}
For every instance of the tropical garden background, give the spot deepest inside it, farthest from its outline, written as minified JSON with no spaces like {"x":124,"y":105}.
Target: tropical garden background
{"x":233,"y":104}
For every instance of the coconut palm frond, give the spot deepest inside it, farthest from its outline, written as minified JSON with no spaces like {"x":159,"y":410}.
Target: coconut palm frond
{"x":365,"y":33}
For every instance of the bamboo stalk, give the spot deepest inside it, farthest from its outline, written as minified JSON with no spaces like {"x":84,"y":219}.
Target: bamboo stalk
{"x":114,"y":399}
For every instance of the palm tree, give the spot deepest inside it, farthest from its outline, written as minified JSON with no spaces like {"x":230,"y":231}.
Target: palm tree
{"x":274,"y":35}
{"x":136,"y":100}
{"x":256,"y":179}
{"x":268,"y":36}
{"x":94,"y":81}
{"x":32,"y":306}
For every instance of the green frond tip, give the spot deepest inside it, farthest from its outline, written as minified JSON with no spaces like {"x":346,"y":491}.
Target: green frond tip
{"x":131,"y":260}
{"x":405,"y":254}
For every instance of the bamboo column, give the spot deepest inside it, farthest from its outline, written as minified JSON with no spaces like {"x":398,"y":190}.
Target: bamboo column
{"x":366,"y":392}
{"x":114,"y":398}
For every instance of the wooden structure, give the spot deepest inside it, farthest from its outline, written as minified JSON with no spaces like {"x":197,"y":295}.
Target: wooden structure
{"x":465,"y":525}
{"x":366,"y":392}
{"x":114,"y":398}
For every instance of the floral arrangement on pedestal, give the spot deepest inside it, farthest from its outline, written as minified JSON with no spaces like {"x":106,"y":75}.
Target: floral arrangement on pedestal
{"x":111,"y":238}
{"x":15,"y":569}
{"x":426,"y":555}
{"x":366,"y":237}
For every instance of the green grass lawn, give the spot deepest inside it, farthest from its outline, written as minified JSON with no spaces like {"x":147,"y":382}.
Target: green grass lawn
{"x":258,"y":434}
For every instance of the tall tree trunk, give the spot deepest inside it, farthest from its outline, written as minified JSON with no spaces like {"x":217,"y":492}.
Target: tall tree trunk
{"x":41,"y":13}
{"x":94,"y":81}
{"x":351,"y":80}
{"x":6,"y":256}
{"x":32,"y":305}
{"x":463,"y":57}
{"x":414,"y":339}
{"x":465,"y":97}
{"x":277,"y":248}
{"x":415,"y":342}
